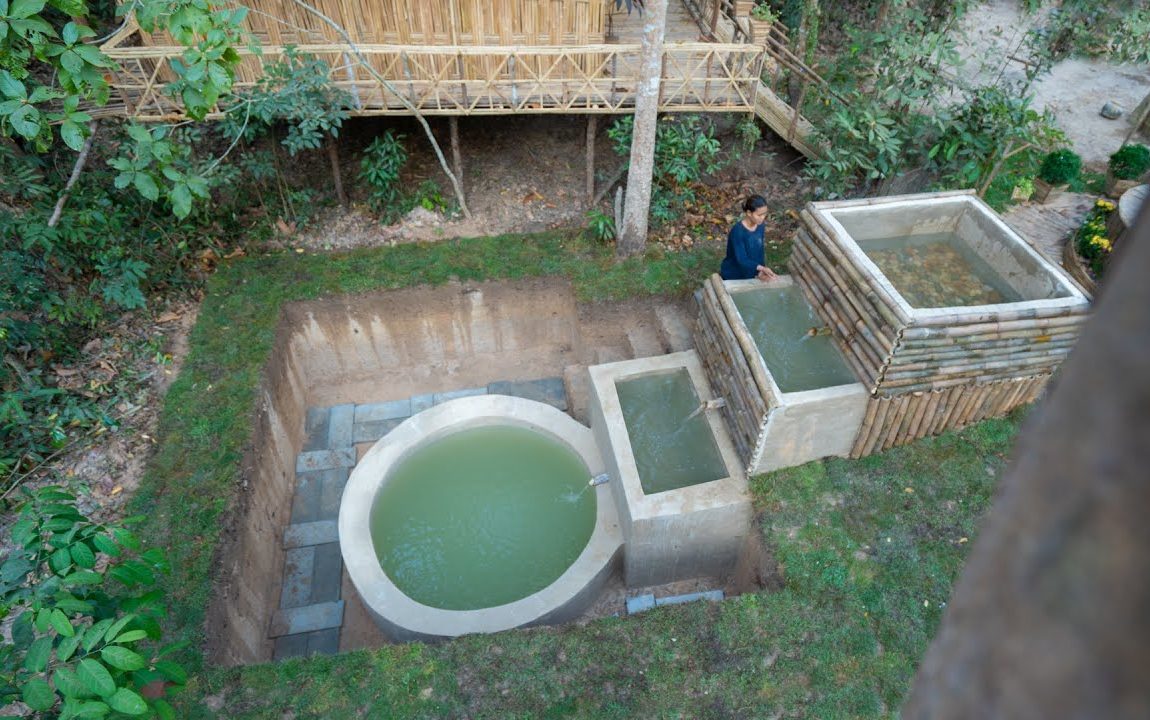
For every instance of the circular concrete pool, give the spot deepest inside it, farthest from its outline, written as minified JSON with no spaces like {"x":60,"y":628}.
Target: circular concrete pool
{"x":476,"y":516}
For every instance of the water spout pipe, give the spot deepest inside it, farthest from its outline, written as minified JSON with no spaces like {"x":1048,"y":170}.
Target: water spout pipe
{"x":599,"y":479}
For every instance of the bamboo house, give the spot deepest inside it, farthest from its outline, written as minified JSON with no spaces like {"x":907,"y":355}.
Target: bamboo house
{"x":488,"y":57}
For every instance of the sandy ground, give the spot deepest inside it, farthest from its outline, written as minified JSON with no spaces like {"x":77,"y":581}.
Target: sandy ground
{"x":1074,"y":90}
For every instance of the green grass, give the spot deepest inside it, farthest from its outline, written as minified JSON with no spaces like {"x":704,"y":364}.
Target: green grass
{"x":867,"y":563}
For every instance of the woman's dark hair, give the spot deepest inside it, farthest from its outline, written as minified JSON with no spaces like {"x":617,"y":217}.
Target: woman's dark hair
{"x":753,"y":203}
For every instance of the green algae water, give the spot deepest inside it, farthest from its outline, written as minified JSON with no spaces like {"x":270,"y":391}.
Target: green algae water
{"x":780,"y":321}
{"x":482,"y":517}
{"x":672,"y":447}
{"x":938,"y":270}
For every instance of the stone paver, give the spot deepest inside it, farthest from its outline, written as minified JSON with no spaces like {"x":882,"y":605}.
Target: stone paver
{"x":327,"y":573}
{"x":292,"y":621}
{"x":289,"y":646}
{"x":640,"y":603}
{"x":311,"y":533}
{"x":317,"y":495}
{"x":299,"y":569}
{"x":675,"y":330}
{"x":374,"y":412}
{"x":374,"y":430}
{"x":455,"y":394}
{"x":545,"y":390}
{"x":315,"y":426}
{"x":325,"y":459}
{"x":340,"y":427}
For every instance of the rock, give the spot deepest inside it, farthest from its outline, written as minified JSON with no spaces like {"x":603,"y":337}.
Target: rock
{"x":422,"y":216}
{"x":1111,"y":111}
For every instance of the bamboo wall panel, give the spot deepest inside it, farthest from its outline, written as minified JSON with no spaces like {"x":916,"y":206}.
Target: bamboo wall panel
{"x":897,"y":419}
{"x":893,"y":352}
{"x":439,"y":22}
{"x":730,"y":371}
{"x":466,"y":80}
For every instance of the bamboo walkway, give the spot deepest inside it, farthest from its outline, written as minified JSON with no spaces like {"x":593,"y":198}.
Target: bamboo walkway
{"x":1048,"y":226}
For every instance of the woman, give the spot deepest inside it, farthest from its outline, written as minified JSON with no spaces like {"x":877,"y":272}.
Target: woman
{"x":745,"y":244}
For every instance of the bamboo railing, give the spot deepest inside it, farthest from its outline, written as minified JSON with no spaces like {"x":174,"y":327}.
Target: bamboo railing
{"x":474,"y":80}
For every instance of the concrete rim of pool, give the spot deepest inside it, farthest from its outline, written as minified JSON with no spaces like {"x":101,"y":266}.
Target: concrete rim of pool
{"x":404,"y":618}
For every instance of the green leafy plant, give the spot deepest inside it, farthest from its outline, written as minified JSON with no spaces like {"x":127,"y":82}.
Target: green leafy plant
{"x":429,"y":196}
{"x":1060,"y":167}
{"x":379,"y":169}
{"x":747,"y":133}
{"x":1091,"y":240}
{"x":1130,"y":161}
{"x":600,"y":225}
{"x":764,"y":13}
{"x":685,"y":150}
{"x":86,"y":617}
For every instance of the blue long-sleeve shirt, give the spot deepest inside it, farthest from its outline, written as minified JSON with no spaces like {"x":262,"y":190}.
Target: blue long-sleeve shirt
{"x":744,"y":252}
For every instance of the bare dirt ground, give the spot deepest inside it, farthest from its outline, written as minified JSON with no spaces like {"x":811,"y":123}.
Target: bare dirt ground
{"x":1074,"y":90}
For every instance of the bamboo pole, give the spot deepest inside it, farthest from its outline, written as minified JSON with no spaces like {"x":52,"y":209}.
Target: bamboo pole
{"x":865,"y":428}
{"x":743,"y":338}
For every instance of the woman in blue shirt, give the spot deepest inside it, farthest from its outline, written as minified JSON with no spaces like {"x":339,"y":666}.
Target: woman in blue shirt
{"x":744,"y":258}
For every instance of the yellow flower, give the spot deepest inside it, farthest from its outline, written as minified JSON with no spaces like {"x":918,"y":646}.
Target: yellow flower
{"x":1104,"y":204}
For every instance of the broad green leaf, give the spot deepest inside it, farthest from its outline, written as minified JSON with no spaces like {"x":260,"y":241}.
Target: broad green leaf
{"x":93,"y":709}
{"x":38,"y":695}
{"x":72,"y":62}
{"x":164,"y":710}
{"x":83,"y":555}
{"x":94,"y":634}
{"x":181,"y":200}
{"x":60,"y":560}
{"x":95,"y":677}
{"x":85,"y":577}
{"x":38,"y":655}
{"x":128,"y":702}
{"x":122,"y":658}
{"x":146,"y":186}
{"x":40,"y":94}
{"x":105,"y":545}
{"x":68,"y":646}
{"x":70,"y":33}
{"x":126,"y":537}
{"x":119,"y":625}
{"x":67,"y":683}
{"x":130,"y":636}
{"x":172,"y":671}
{"x":26,"y":122}
{"x":25,"y":8}
{"x":14,"y":569}
{"x":61,"y":623}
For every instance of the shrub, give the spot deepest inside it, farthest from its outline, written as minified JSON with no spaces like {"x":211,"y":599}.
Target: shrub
{"x":1130,"y":161}
{"x":1091,"y":241}
{"x":1060,"y":167}
{"x":600,"y":225}
{"x":86,"y":616}
{"x":379,"y":168}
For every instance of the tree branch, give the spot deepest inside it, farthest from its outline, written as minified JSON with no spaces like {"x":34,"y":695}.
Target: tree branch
{"x":76,"y":170}
{"x":392,"y":89}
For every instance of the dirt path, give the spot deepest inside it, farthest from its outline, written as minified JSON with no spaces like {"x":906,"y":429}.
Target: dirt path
{"x":1074,"y":90}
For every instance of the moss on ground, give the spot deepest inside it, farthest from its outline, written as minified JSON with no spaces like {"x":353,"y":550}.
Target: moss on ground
{"x":868,"y":548}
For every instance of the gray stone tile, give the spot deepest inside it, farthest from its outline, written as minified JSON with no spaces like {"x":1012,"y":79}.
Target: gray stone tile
{"x":325,"y":459}
{"x":311,"y":533}
{"x":456,"y":394}
{"x":546,"y":390}
{"x":374,"y":430}
{"x":323,"y":642}
{"x":305,"y":501}
{"x":419,"y":403}
{"x":391,"y":410}
{"x":327,"y":574}
{"x":640,"y":603}
{"x":299,"y":569}
{"x":307,"y":619}
{"x":315,"y":426}
{"x":289,"y":646}
{"x":331,"y":492}
{"x":339,"y":427}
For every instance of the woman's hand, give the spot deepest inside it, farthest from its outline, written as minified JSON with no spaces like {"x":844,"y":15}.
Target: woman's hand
{"x":764,"y":273}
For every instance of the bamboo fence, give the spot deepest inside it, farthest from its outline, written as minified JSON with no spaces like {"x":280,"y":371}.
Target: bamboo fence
{"x":734,"y":367}
{"x":894,"y":353}
{"x":893,"y":420}
{"x":475,"y":80}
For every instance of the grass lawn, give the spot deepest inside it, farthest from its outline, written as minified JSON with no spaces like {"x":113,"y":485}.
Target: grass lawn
{"x":868,"y":549}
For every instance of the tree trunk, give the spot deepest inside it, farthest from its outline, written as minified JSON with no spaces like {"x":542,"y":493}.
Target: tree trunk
{"x":333,"y":156}
{"x":633,"y":234}
{"x":1049,"y":617}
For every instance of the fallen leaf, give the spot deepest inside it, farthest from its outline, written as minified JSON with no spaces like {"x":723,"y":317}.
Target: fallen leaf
{"x":66,"y":372}
{"x":167,"y":317}
{"x":238,"y":252}
{"x":117,"y":490}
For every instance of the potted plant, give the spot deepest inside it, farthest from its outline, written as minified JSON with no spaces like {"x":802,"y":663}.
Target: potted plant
{"x":762,"y":16}
{"x":1126,"y":166}
{"x":1057,"y":170}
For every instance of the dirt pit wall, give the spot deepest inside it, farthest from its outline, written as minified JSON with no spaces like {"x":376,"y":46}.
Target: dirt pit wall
{"x":376,"y":348}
